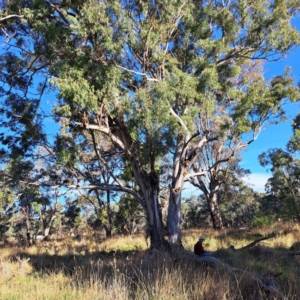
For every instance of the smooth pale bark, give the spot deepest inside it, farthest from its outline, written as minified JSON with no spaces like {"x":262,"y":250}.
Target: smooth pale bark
{"x":183,"y":160}
{"x":47,"y":232}
{"x":48,"y":218}
{"x":47,"y":225}
{"x":174,"y":212}
{"x":174,"y":209}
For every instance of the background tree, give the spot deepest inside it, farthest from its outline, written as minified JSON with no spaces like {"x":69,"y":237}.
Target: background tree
{"x":195,"y":213}
{"x":129,"y":218}
{"x":50,"y":209}
{"x":238,"y":202}
{"x":283,"y":186}
{"x":219,"y":156}
{"x":7,"y":209}
{"x":72,"y":214}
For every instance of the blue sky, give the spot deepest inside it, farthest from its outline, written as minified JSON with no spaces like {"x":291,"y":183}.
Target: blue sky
{"x":276,"y":136}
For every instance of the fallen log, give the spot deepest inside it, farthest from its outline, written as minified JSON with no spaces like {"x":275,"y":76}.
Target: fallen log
{"x":261,"y":250}
{"x":265,"y":283}
{"x":253,"y":243}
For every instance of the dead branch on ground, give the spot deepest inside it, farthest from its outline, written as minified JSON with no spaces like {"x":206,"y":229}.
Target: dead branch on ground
{"x":266,"y":283}
{"x":264,"y":251}
{"x":253,"y":243}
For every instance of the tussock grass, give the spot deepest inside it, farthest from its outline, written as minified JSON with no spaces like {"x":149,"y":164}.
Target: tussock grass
{"x":119,"y":268}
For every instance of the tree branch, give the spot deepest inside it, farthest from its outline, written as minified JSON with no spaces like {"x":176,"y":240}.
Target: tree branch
{"x":105,"y":187}
{"x":12,"y":16}
{"x":106,"y":131}
{"x":196,"y":174}
{"x":59,"y":12}
{"x":137,"y":73}
{"x":181,"y":123}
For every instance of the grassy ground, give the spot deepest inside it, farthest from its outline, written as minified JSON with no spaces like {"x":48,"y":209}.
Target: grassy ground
{"x":119,"y":268}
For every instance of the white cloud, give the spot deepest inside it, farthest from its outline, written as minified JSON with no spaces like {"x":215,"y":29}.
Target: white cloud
{"x":257,"y":181}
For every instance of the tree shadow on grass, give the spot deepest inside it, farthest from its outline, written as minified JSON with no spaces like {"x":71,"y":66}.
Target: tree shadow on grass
{"x":137,"y":269}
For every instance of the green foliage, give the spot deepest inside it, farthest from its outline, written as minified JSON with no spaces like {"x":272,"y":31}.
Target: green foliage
{"x":129,"y":216}
{"x":67,"y":150}
{"x":103,"y":216}
{"x":262,"y":220}
{"x":73,"y":213}
{"x":282,"y":187}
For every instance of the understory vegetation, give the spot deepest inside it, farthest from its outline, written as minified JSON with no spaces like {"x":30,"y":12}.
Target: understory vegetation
{"x":121,"y":267}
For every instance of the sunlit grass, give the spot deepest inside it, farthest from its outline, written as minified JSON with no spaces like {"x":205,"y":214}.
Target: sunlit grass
{"x":118,"y":268}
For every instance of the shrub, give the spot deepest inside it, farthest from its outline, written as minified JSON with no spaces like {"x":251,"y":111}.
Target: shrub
{"x":259,"y":221}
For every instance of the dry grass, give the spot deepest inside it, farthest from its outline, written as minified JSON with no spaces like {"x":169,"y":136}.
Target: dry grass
{"x":119,"y":268}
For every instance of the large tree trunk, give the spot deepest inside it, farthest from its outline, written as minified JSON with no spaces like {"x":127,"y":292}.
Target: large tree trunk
{"x":174,"y":212}
{"x":148,"y":181}
{"x":214,"y":210}
{"x":180,"y":170}
{"x":149,"y":187}
{"x":154,"y":217}
{"x":46,"y":232}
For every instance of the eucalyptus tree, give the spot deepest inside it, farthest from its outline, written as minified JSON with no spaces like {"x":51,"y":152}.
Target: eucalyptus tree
{"x":283,"y":186}
{"x":220,"y":167}
{"x":238,"y":202}
{"x":282,"y":189}
{"x":143,"y":73}
{"x":237,"y":122}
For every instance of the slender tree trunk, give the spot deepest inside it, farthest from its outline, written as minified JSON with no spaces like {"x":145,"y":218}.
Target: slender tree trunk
{"x":47,"y":226}
{"x":46,"y":232}
{"x":28,"y":232}
{"x":108,"y":225}
{"x":214,"y":210}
